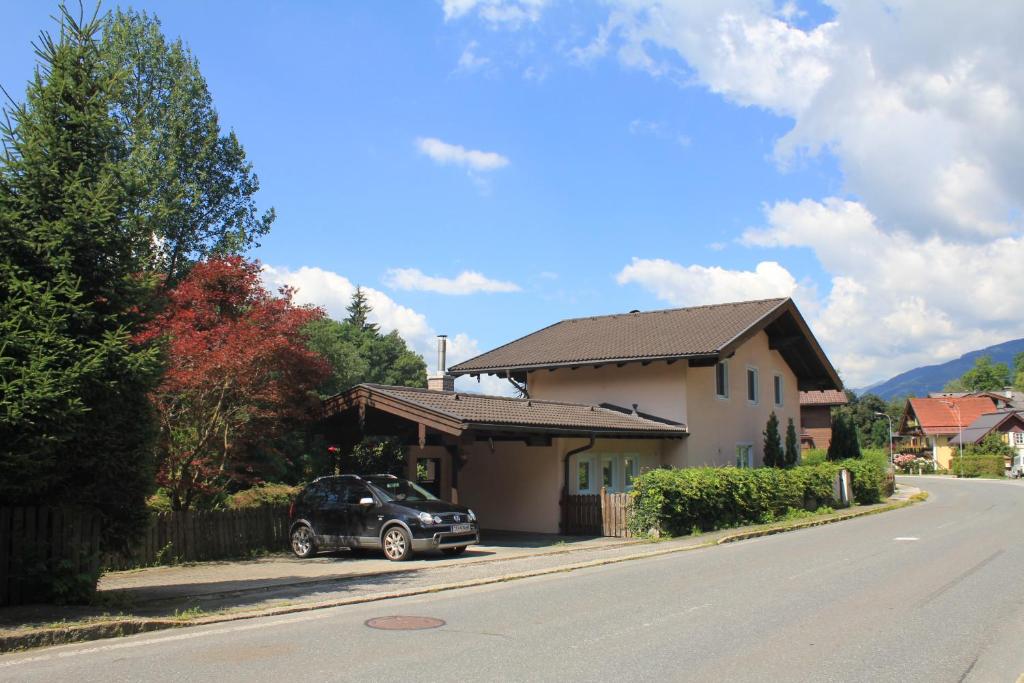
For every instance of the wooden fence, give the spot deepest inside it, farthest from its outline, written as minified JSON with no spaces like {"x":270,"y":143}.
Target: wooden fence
{"x":603,"y":514}
{"x":40,"y":541}
{"x":206,"y":535}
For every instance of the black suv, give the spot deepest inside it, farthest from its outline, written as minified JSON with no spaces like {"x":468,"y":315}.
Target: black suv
{"x":378,"y":511}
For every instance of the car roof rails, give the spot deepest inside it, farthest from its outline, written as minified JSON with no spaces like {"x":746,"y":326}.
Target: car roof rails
{"x":338,"y":476}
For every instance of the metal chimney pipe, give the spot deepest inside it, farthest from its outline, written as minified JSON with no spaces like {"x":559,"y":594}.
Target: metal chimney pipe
{"x":442,"y":347}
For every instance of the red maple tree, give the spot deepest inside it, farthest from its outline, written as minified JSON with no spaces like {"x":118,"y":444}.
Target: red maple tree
{"x":237,"y":374}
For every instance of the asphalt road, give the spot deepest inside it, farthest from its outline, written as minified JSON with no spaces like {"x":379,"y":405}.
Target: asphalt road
{"x":934,"y":592}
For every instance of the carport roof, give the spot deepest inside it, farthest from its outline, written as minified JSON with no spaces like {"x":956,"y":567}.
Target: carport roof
{"x":456,"y":412}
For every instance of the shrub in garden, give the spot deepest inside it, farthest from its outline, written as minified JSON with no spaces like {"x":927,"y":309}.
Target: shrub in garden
{"x":676,"y":502}
{"x":264,"y":494}
{"x":978,"y":466}
{"x":813,"y":456}
{"x":773,"y":456}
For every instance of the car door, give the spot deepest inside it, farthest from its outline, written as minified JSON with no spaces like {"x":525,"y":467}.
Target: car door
{"x":361,"y":520}
{"x":331,"y":521}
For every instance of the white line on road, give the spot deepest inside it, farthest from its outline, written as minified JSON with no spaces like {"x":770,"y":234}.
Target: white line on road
{"x":906,"y":538}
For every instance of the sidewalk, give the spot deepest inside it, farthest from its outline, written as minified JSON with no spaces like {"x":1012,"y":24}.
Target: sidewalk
{"x":167,"y":597}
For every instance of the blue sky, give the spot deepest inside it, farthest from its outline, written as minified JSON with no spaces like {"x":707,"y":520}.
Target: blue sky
{"x":735,"y":149}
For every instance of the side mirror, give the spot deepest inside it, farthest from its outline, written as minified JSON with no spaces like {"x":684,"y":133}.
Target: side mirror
{"x":366,"y":501}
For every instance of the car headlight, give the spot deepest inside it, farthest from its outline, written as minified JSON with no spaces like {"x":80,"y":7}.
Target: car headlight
{"x":472,"y":516}
{"x":426,"y":519}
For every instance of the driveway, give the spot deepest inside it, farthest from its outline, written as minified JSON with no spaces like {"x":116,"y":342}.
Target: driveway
{"x":157,"y":584}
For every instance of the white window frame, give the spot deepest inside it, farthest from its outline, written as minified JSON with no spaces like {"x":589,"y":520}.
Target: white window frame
{"x":757,"y":385}
{"x":1018,"y":438}
{"x":635,"y":457}
{"x":725,"y":380}
{"x":779,"y":396}
{"x":750,"y":455}
{"x":609,"y":459}
{"x":589,"y":461}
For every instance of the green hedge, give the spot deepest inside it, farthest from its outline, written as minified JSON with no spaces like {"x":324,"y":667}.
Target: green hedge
{"x":263,"y":494}
{"x":978,"y":466}
{"x":680,"y":501}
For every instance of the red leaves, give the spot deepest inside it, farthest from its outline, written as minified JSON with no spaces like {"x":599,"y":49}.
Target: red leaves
{"x":238,"y":372}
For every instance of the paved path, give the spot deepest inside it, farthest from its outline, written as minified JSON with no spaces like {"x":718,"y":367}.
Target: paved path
{"x":929,"y":593}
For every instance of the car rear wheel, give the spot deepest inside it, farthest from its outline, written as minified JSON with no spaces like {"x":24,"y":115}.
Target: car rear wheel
{"x":397,"y":544}
{"x":303,"y":542}
{"x":454,"y":551}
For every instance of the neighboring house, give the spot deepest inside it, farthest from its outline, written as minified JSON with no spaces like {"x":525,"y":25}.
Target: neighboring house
{"x":1009,"y":424}
{"x":606,"y":398}
{"x":816,"y":416}
{"x":1005,"y":399}
{"x":930,"y":423}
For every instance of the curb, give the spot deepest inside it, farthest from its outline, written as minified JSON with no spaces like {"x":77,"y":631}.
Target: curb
{"x":132,"y":626}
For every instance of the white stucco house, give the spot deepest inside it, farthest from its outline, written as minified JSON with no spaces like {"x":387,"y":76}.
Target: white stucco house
{"x":604,"y":398}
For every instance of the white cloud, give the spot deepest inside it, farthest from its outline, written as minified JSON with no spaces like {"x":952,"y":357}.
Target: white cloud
{"x":469,"y":61}
{"x":511,"y":13}
{"x":466,"y":282}
{"x":899,"y":300}
{"x":333,"y":292}
{"x":694,"y":285}
{"x":448,"y":154}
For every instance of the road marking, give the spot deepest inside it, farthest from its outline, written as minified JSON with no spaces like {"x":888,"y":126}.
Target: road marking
{"x":906,"y":538}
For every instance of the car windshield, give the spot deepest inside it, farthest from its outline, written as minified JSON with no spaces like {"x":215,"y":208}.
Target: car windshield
{"x":398,"y":490}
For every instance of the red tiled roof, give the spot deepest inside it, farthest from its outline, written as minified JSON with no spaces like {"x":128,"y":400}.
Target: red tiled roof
{"x":938,"y":416}
{"x":829,"y":397}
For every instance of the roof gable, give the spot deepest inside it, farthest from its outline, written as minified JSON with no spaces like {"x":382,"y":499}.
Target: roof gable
{"x":1001,"y":421}
{"x":702,"y":334}
{"x":829,"y":397}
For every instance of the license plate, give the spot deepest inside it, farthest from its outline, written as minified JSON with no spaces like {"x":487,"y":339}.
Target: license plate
{"x":461,"y":527}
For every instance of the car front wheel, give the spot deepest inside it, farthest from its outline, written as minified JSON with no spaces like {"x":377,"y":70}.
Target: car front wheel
{"x":397,"y":544}
{"x":303,"y":543}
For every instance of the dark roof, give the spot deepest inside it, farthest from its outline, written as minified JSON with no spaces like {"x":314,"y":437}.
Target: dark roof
{"x":704,"y":333}
{"x":460,"y":411}
{"x":830,"y":397}
{"x":987,"y":423}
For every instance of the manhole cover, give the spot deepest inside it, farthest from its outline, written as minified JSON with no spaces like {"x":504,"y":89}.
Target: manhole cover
{"x":404,"y":623}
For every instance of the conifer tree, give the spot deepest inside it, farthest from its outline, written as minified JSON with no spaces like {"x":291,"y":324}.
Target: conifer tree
{"x":359,"y":312}
{"x":75,"y":426}
{"x":772,"y":443}
{"x":792,"y":453}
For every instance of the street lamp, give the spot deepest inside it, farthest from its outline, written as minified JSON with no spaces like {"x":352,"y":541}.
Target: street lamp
{"x":889,"y":418}
{"x":960,"y":430}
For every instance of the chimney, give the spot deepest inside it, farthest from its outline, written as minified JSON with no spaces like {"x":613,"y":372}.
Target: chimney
{"x":441,"y":380}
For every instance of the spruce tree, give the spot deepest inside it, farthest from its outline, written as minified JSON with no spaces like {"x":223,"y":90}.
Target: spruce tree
{"x":359,"y":312}
{"x":792,"y":454}
{"x":75,"y":425}
{"x":772,"y":443}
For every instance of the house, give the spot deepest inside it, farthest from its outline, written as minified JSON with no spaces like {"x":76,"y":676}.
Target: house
{"x":816,"y":416}
{"x":932,"y":422}
{"x":1008,"y":423}
{"x":603,"y":399}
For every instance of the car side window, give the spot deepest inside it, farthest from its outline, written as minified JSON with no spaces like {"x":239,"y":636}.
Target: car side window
{"x":335,"y":493}
{"x":313,"y":496}
{"x":356,"y":492}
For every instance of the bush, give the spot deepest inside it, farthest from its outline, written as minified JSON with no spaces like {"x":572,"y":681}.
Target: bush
{"x":264,"y":494}
{"x":677,"y":502}
{"x":991,"y":466}
{"x":813,"y":456}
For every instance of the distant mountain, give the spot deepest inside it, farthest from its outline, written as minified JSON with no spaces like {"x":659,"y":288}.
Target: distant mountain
{"x":920,"y":381}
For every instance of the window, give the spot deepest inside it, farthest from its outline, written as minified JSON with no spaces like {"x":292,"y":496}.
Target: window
{"x":752,"y":385}
{"x":777,"y":385}
{"x":612,"y":471}
{"x":744,"y":455}
{"x":583,"y":476}
{"x":722,"y":379}
{"x":629,"y":471}
{"x":1018,"y":438}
